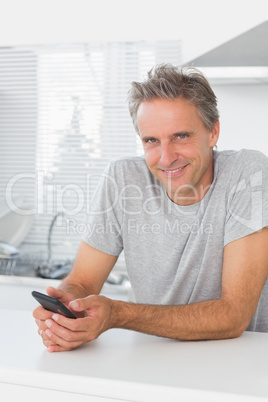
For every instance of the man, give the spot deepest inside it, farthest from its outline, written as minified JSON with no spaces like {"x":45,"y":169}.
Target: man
{"x":192,"y":223}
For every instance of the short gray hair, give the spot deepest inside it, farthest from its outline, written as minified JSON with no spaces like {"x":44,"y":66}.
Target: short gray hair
{"x":166,"y":81}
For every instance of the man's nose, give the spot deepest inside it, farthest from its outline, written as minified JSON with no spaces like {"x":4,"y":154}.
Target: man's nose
{"x":168,"y":154}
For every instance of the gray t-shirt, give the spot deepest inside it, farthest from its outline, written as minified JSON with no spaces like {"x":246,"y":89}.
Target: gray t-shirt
{"x":173,"y":253}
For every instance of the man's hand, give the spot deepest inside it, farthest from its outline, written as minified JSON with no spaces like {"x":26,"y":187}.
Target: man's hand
{"x":41,"y":315}
{"x":90,"y":270}
{"x":62,"y":334}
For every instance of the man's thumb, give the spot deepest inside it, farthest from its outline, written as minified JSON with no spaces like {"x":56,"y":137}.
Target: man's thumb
{"x":78,"y":304}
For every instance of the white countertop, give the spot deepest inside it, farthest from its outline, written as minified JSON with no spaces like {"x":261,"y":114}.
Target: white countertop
{"x":127,"y":366}
{"x":15,"y":291}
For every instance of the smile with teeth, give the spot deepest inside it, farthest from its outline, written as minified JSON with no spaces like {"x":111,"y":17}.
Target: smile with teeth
{"x":174,"y":172}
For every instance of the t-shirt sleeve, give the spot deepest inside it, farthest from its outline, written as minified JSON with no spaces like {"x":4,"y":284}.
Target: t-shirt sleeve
{"x":103,"y":226}
{"x":247,"y":198}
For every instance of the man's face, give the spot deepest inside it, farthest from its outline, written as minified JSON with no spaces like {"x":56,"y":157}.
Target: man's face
{"x":178,"y":148}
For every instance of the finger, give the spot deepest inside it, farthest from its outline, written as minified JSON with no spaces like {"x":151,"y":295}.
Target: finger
{"x":83,"y":303}
{"x":56,"y":348}
{"x":48,"y":343}
{"x":43,"y":334}
{"x":42,"y":314}
{"x":87,"y":328}
{"x":53,"y":292}
{"x":65,"y":344}
{"x":45,"y":338}
{"x":75,"y":325}
{"x":69,"y":323}
{"x":41,"y":325}
{"x":68,"y":335}
{"x":58,"y":294}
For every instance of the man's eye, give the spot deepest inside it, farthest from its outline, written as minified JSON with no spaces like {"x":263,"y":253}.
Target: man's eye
{"x":151,"y":140}
{"x":182,"y":136}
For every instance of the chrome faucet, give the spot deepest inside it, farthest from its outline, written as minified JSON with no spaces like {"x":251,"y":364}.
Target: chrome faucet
{"x":49,"y":249}
{"x":49,"y":269}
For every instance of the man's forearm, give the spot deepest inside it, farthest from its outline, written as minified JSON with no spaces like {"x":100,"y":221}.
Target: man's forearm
{"x":205,"y":320}
{"x":74,"y":288}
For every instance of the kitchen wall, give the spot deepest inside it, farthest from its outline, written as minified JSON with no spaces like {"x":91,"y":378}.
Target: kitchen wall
{"x":243,"y":116}
{"x":198,"y":24}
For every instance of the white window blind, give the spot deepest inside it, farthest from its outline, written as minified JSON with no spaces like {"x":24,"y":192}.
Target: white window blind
{"x":63,"y":117}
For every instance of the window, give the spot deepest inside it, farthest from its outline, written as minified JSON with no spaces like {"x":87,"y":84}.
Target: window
{"x":63,"y":117}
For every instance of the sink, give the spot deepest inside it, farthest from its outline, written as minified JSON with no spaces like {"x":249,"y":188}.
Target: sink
{"x":14,"y":225}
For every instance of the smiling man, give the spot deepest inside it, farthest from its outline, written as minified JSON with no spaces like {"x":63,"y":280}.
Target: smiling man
{"x":178,"y":147}
{"x":192,"y":222}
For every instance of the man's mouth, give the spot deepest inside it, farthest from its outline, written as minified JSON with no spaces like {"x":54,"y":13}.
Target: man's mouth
{"x":174,"y":172}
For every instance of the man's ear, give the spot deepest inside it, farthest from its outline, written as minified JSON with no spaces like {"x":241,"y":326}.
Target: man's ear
{"x":214,"y":134}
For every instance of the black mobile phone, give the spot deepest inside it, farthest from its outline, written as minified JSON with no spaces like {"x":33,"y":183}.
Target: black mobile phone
{"x":52,"y":304}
